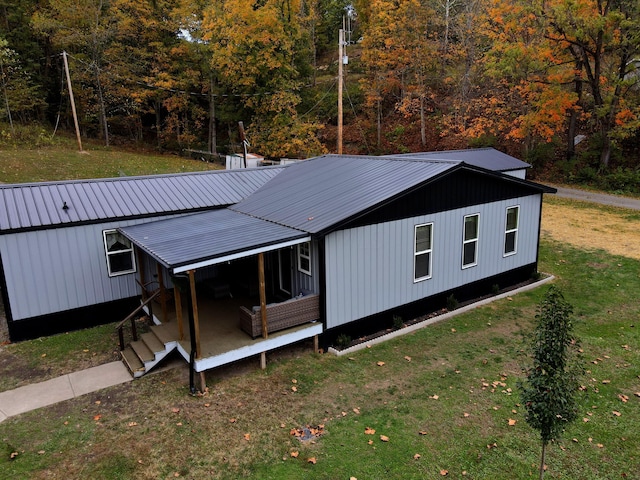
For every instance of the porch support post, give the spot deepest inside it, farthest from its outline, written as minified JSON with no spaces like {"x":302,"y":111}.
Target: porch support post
{"x":263,"y":360}
{"x":194,"y":303}
{"x":178,"y":298}
{"x":263,"y":296}
{"x":143,"y":273}
{"x":203,"y":382}
{"x":315,"y":344}
{"x":163,"y":293}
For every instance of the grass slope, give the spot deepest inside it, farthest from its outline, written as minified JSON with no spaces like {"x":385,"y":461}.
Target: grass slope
{"x":446,"y":393}
{"x":61,"y":161}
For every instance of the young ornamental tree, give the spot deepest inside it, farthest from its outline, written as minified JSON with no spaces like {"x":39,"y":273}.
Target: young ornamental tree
{"x":549,"y":389}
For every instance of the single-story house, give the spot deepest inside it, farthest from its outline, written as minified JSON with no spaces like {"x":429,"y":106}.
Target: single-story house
{"x":310,"y":248}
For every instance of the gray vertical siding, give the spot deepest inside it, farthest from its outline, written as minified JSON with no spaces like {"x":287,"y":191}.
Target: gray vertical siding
{"x":370,"y":269}
{"x":49,"y":271}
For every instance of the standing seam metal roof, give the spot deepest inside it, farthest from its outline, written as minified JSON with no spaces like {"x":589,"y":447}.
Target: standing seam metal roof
{"x":318,"y":193}
{"x":208,"y":235}
{"x":488,"y":158}
{"x":39,"y":205}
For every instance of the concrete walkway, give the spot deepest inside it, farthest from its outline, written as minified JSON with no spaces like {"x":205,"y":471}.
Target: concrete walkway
{"x":31,"y":397}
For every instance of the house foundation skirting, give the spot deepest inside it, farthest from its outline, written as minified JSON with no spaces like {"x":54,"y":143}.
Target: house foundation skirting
{"x":68,"y":320}
{"x":438,"y":318}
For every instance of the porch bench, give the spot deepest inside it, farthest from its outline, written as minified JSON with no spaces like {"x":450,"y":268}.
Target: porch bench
{"x":293,"y":312}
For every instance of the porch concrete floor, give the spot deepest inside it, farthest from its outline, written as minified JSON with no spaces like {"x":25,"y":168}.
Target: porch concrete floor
{"x":221,"y":339}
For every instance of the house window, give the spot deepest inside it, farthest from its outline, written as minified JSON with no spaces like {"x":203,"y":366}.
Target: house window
{"x":119,"y":252}
{"x":423,"y":241}
{"x":304,"y":258}
{"x":470,"y":241}
{"x":511,"y":231}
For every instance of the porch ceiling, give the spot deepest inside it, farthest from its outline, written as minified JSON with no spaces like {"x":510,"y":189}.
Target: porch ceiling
{"x":195,"y":241}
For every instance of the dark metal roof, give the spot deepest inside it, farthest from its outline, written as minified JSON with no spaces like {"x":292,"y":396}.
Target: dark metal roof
{"x":488,"y":158}
{"x":316,"y":194}
{"x":40,"y":205}
{"x":204,"y":237}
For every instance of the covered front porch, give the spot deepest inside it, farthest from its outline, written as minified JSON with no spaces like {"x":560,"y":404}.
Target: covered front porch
{"x":229,"y":300}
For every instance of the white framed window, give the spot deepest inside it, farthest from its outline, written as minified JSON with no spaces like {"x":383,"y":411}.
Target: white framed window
{"x":422,"y":249}
{"x":470,"y":240}
{"x":511,"y":231}
{"x":119,"y":252}
{"x":304,"y":257}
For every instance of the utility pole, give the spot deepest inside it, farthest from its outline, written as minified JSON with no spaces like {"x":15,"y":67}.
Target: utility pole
{"x":73,"y":103}
{"x":340,"y":74}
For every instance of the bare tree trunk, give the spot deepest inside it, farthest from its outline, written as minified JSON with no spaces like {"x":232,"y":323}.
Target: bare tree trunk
{"x":379,"y":121}
{"x":423,"y":129}
{"x":542,"y":458}
{"x":212,"y":119}
{"x":103,"y":111}
{"x":158,"y":124}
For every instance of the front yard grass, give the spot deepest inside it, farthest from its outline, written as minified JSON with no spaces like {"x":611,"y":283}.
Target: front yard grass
{"x":443,"y":397}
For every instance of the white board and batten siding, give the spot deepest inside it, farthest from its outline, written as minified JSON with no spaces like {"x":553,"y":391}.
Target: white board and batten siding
{"x":60,"y":269}
{"x":370,"y":269}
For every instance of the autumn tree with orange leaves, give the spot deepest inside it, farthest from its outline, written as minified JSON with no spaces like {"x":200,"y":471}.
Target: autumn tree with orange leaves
{"x":558,"y":67}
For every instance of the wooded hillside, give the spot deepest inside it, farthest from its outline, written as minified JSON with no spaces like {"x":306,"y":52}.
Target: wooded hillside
{"x":541,"y":79}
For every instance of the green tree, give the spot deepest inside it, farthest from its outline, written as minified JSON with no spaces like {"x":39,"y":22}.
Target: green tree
{"x":549,"y":390}
{"x":261,"y":55}
{"x":21,"y":98}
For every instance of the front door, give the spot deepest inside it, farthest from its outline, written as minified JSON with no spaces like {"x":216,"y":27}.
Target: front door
{"x":284,"y":270}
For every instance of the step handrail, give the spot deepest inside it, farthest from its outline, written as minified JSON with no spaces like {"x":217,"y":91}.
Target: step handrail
{"x":130,"y":317}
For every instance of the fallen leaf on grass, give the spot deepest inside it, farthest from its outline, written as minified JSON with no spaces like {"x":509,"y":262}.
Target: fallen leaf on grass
{"x":294,"y":389}
{"x":384,"y":438}
{"x":207,"y":405}
{"x":295,"y":454}
{"x":606,"y":381}
{"x":492,"y":445}
{"x":370,"y":442}
{"x":380,"y":364}
{"x":616,"y":413}
{"x":444,"y":473}
{"x":512,"y":422}
{"x":622,"y":397}
{"x":232,"y":420}
{"x":407,"y":358}
{"x":312,"y":460}
{"x":356,"y":411}
{"x":97,"y":417}
{"x":434,"y":397}
{"x":133,"y":424}
{"x":417,"y":456}
{"x":247,"y":436}
{"x":369,"y":431}
{"x":465,"y":414}
{"x":293,"y":380}
{"x":175,"y":410}
{"x":13,"y":455}
{"x":600,"y":445}
{"x":422,"y":432}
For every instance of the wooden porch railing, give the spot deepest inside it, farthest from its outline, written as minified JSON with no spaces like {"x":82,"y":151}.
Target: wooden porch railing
{"x":131,"y":318}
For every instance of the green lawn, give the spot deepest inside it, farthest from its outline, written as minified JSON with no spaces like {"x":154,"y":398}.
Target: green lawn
{"x":61,"y":160}
{"x":443,"y":398}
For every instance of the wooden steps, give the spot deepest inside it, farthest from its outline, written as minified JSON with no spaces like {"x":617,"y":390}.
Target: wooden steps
{"x":142,"y":355}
